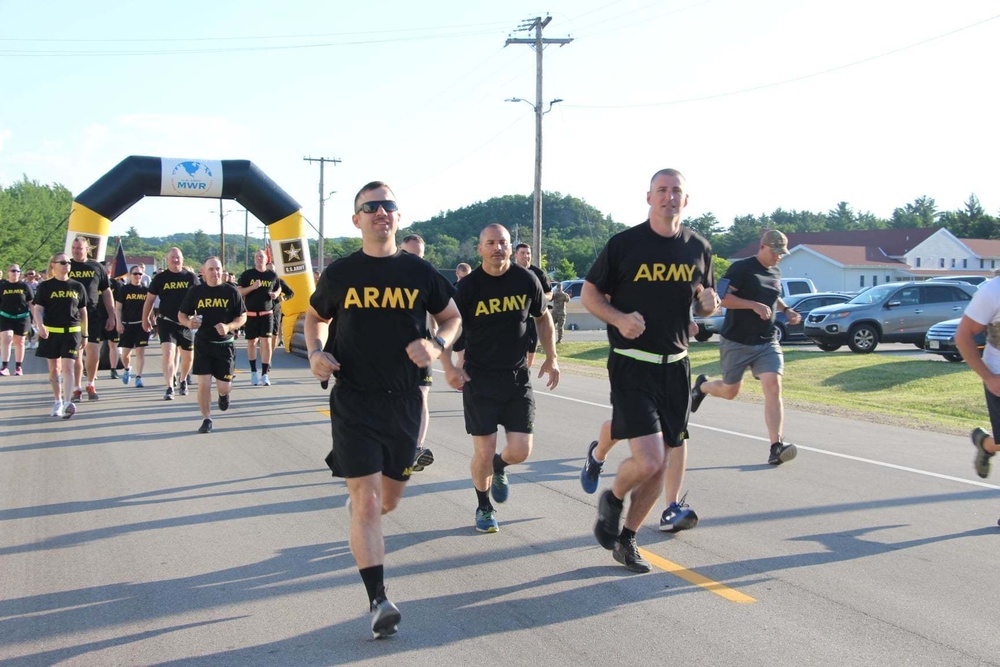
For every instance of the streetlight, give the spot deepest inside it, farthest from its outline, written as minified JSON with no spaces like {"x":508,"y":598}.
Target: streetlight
{"x":246,"y":238}
{"x":536,"y":249}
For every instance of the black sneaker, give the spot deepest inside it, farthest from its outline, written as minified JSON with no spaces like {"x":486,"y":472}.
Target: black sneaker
{"x":183,"y":389}
{"x":169,"y":395}
{"x":628,"y":555}
{"x":982,"y":460}
{"x":781,"y":453}
{"x":385,"y":617}
{"x":608,"y":525}
{"x":223,"y":402}
{"x":697,"y":395}
{"x":424,"y":458}
{"x":678,"y":516}
{"x":206,"y":426}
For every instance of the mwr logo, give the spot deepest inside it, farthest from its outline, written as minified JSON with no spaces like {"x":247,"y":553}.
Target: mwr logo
{"x":191,"y":177}
{"x":292,"y":257}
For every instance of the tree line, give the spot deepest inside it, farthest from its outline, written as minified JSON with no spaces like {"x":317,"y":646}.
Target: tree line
{"x":33,"y":220}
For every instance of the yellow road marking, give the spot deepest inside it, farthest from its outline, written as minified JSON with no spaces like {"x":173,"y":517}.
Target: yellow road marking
{"x":697,"y":579}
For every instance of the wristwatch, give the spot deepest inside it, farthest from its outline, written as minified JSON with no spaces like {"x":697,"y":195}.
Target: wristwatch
{"x":440,"y":341}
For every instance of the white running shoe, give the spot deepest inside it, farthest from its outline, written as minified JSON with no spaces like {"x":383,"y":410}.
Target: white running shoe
{"x":57,"y":409}
{"x":264,"y":380}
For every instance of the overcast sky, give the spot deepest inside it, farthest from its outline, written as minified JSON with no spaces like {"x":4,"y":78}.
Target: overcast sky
{"x":767,"y":104}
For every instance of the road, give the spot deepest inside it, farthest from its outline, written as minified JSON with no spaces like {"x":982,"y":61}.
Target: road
{"x":126,"y":538}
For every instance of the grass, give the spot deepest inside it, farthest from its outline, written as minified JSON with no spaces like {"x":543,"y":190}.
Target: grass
{"x":882,"y":387}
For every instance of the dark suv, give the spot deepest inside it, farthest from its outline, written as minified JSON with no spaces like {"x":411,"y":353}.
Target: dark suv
{"x":893,"y":312}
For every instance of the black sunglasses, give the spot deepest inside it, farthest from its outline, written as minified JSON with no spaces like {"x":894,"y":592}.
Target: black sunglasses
{"x":64,"y":262}
{"x":136,"y":274}
{"x":387,"y":205}
{"x":14,"y":270}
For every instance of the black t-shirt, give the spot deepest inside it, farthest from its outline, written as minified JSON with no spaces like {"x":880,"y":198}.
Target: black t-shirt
{"x":753,"y":282}
{"x":657,"y":277}
{"x":92,"y":276}
{"x":15,"y":298}
{"x":220,"y":304}
{"x":259,"y":299}
{"x":542,"y":278}
{"x":495,"y":312}
{"x":132,"y":298}
{"x":380,"y":305}
{"x":171,"y":288}
{"x":62,"y":300}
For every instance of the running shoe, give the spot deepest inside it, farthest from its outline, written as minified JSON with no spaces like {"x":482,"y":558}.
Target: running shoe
{"x":264,"y":380}
{"x":223,"y":402}
{"x":697,"y":395}
{"x":627,"y":554}
{"x":678,"y":516}
{"x":183,"y":389}
{"x":92,"y":393}
{"x":189,"y":380}
{"x":114,"y":374}
{"x":77,"y":395}
{"x":254,"y":378}
{"x":206,"y":426}
{"x":424,"y":458}
{"x":591,"y":473}
{"x":18,"y":371}
{"x":169,"y":394}
{"x":486,"y":521}
{"x":126,"y":376}
{"x":609,"y":518}
{"x":57,"y":409}
{"x":385,"y":617}
{"x":68,"y":410}
{"x":982,"y":460}
{"x":781,"y":453}
{"x":500,"y":487}
{"x":4,"y":371}
{"x":138,"y":381}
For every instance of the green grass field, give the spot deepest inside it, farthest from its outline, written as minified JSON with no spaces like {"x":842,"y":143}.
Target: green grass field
{"x":916,"y":392}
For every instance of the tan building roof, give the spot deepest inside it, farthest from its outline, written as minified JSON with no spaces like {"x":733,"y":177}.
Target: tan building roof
{"x":855,"y":255}
{"x":891,"y":242}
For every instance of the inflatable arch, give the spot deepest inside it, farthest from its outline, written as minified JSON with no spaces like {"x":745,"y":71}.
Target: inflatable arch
{"x":140,"y":176}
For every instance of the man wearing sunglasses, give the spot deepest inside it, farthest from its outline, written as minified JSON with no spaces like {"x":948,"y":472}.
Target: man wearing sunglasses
{"x":15,"y":318}
{"x":379,"y":297}
{"x":94,"y":279}
{"x":129,"y":302}
{"x":259,"y":287}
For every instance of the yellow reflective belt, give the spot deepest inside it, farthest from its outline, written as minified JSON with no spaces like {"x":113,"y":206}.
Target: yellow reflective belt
{"x":62,"y":329}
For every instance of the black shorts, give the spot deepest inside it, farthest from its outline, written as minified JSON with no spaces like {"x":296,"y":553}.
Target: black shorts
{"x":59,"y":346}
{"x":215,"y":359}
{"x":172,"y":332}
{"x":95,"y":324}
{"x":532,"y":332}
{"x":373,"y":432}
{"x":133,"y":337}
{"x":649,"y":398}
{"x":498,"y":398}
{"x":259,"y":326}
{"x":993,"y":408}
{"x":19,"y":325}
{"x":102,"y":333}
{"x":426,"y":378}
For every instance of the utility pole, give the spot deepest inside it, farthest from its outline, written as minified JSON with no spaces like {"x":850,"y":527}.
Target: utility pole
{"x":322,"y":204}
{"x":538,"y":43}
{"x":246,"y":238}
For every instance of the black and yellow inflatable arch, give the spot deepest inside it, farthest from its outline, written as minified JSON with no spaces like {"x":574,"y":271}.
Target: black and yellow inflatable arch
{"x":141,"y":176}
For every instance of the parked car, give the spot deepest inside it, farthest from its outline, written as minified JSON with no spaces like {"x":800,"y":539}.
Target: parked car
{"x":709,"y":326}
{"x":972,"y":280}
{"x":940,"y":339}
{"x":892,"y":312}
{"x":793,"y":286}
{"x":803,"y":304}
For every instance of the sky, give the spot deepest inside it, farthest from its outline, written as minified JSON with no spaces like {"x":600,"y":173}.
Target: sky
{"x":762,"y":105}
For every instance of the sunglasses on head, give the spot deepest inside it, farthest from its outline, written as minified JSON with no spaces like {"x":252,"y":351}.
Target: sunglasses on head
{"x":372,"y":206}
{"x":64,"y":262}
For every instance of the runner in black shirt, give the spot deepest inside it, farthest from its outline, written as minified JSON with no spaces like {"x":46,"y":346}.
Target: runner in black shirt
{"x":216,"y":311}
{"x":130,"y":301}
{"x":497,"y":300}
{"x":380,"y":297}
{"x":94,"y":279}
{"x":259,"y":287}
{"x":522,"y":256}
{"x":643,"y":285}
{"x":171,"y":285}
{"x":15,"y":318}
{"x":60,"y":313}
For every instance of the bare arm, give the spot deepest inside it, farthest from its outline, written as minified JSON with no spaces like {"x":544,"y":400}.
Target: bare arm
{"x":965,"y":340}
{"x":147,"y":312}
{"x":316,"y":330}
{"x":546,"y":336}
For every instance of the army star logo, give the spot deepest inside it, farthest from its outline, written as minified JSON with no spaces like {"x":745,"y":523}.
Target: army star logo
{"x":293,"y":252}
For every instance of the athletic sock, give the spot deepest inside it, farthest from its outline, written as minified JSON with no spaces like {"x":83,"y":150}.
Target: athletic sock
{"x":264,"y":368}
{"x":484,"y":499}
{"x":17,"y":364}
{"x":253,"y":365}
{"x":373,"y":577}
{"x":4,"y":365}
{"x":498,"y":464}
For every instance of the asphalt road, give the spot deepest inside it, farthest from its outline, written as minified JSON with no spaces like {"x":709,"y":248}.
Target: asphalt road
{"x":126,"y":538}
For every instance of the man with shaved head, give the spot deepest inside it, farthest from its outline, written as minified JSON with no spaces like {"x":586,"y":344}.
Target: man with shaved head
{"x":171,"y":285}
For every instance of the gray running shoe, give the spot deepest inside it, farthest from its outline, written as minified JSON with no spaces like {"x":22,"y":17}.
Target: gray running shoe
{"x":781,"y":453}
{"x":385,"y":617}
{"x":982,"y":460}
